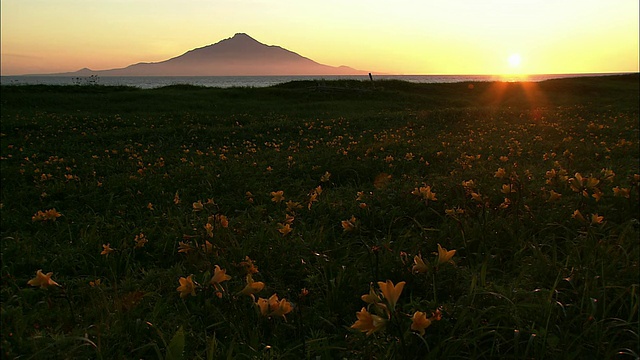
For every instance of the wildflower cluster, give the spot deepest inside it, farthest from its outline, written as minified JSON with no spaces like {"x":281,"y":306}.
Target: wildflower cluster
{"x":381,"y":309}
{"x":47,"y":215}
{"x":382,"y":304}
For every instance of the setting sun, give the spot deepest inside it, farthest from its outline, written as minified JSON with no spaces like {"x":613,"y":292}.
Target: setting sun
{"x":514,"y":61}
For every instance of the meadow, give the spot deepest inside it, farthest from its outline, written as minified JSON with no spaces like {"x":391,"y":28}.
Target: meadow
{"x":321,"y":220}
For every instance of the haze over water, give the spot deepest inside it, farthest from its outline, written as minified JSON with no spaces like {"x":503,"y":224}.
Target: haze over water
{"x":148,"y":82}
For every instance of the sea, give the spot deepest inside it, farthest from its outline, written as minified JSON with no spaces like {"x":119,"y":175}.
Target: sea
{"x":150,"y":82}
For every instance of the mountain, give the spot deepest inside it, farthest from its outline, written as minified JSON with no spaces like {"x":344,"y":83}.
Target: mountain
{"x":240,"y":55}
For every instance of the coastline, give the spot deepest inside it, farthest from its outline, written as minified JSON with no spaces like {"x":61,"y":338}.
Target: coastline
{"x":149,"y":82}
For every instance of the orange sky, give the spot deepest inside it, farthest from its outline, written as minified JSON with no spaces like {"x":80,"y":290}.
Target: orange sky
{"x":396,"y":36}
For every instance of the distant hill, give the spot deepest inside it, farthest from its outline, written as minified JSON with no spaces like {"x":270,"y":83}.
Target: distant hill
{"x":240,"y":55}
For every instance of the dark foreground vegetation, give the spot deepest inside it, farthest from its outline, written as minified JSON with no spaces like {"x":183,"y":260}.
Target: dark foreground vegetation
{"x":203,"y":223}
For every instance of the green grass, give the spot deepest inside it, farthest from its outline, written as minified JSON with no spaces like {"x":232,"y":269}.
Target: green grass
{"x":528,"y":279}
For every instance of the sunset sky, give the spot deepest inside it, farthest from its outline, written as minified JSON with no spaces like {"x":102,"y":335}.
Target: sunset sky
{"x":394,"y":36}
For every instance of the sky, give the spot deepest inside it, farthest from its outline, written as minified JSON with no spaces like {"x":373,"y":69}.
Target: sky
{"x":458,"y":37}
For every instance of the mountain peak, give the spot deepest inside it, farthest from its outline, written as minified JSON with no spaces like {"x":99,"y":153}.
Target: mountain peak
{"x":241,"y":35}
{"x":240,"y":55}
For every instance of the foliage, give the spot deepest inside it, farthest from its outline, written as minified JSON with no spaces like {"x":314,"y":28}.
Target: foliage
{"x":309,"y":196}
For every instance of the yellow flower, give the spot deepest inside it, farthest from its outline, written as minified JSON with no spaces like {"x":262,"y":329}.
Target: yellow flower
{"x":249,"y":266}
{"x":222,"y":220}
{"x":500,"y":173}
{"x":391,"y":292}
{"x":207,"y":247}
{"x":553,"y":196}
{"x":292,"y":206}
{"x":469,"y":184}
{"x":312,"y":198}
{"x":209,"y":229}
{"x":42,"y":280}
{"x":197,"y":206}
{"x":622,"y":192}
{"x":425,"y":193}
{"x":289,"y":218}
{"x":591,"y":183}
{"x":140,"y":241}
{"x":595,"y":219}
{"x":576,"y":182}
{"x":278,"y":196}
{"x":420,"y":322}
{"x":284,"y":229}
{"x":505,"y":204}
{"x":349,"y":225}
{"x":507,"y":189}
{"x":263,"y":306}
{"x":371,"y":297}
{"x":608,"y":174}
{"x":186,"y":287}
{"x":597,"y":194}
{"x":183,"y":247}
{"x":477,"y":197}
{"x":578,"y":215}
{"x":368,"y":323}
{"x":419,"y":265}
{"x":453,"y":212}
{"x":219,"y":276}
{"x":252,"y":287}
{"x":279,"y":307}
{"x":106,"y":249}
{"x":444,"y":256}
{"x":51,"y":214}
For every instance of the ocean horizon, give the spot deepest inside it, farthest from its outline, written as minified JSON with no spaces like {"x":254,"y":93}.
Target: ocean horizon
{"x":150,"y":82}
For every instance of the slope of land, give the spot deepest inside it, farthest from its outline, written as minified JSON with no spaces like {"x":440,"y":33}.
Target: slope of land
{"x":240,"y":55}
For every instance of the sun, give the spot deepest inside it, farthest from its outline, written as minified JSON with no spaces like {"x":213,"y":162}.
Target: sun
{"x":514,"y":60}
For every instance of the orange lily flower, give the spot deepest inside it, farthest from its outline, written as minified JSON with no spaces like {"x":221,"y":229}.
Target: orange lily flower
{"x":391,"y":292}
{"x":284,"y":229}
{"x":578,"y":215}
{"x":219,"y":276}
{"x":183,"y":247}
{"x":349,"y":225}
{"x":595,"y":219}
{"x":419,"y":265}
{"x":444,"y":256}
{"x":278,"y":196}
{"x":279,"y":307}
{"x":197,"y":206}
{"x":368,"y":323}
{"x":249,"y":266}
{"x":420,"y":322}
{"x":42,"y":280}
{"x":187,"y":286}
{"x":107,"y":249}
{"x":252,"y":287}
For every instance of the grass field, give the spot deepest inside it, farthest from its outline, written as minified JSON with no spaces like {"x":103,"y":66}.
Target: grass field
{"x":335,"y":208}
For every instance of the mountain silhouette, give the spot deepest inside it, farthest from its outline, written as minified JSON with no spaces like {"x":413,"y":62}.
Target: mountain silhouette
{"x":240,"y":55}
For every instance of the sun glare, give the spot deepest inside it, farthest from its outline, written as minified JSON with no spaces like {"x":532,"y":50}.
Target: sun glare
{"x":514,"y":60}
